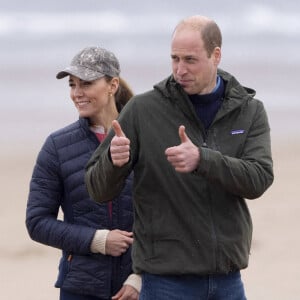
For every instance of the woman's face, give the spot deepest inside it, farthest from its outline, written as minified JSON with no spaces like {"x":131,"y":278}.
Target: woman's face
{"x":91,"y":98}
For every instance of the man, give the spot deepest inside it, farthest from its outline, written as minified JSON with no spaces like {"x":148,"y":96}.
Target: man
{"x":199,"y":144}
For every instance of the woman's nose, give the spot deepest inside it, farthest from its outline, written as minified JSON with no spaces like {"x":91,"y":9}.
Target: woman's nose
{"x":78,"y":91}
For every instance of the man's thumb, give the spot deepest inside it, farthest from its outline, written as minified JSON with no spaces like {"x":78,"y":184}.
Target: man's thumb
{"x":183,"y":137}
{"x":117,"y":128}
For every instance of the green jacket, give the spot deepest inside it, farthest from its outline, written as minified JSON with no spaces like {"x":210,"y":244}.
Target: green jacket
{"x":195,"y":223}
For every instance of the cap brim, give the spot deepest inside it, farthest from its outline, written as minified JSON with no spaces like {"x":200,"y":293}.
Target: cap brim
{"x":80,"y":72}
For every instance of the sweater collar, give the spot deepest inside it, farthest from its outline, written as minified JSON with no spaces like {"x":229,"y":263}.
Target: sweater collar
{"x":216,"y":94}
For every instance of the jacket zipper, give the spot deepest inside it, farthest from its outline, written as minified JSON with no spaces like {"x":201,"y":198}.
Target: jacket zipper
{"x":213,"y":229}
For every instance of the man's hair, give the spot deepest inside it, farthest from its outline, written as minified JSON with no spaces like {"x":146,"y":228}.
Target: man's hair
{"x":211,"y":36}
{"x":209,"y":30}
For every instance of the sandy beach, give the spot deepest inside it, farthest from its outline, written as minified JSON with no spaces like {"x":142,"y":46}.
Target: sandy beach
{"x":28,"y":269}
{"x":38,"y":38}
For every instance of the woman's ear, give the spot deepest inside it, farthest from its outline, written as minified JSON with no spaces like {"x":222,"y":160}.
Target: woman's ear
{"x":114,"y":85}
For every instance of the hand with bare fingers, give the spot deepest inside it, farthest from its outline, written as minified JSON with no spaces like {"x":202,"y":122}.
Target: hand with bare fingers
{"x":127,"y":292}
{"x":184,"y":157}
{"x":119,"y":146}
{"x":117,"y":242}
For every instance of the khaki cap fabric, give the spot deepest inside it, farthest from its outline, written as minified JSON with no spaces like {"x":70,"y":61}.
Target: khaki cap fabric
{"x":92,"y":63}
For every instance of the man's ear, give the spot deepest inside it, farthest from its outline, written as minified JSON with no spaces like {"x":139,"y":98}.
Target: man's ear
{"x":217,"y":55}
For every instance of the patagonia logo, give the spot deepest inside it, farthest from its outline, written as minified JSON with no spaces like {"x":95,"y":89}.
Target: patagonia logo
{"x":238,"y":131}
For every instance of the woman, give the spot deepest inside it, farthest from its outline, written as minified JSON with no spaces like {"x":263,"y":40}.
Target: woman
{"x":95,"y":239}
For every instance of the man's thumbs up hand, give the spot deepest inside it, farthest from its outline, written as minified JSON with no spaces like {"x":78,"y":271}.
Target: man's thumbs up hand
{"x":119,"y":146}
{"x":184,"y":157}
{"x":117,"y":129}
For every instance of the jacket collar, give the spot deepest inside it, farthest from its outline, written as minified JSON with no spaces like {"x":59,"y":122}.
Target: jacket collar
{"x":235,"y":95}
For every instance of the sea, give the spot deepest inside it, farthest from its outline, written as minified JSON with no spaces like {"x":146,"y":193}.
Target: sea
{"x":261,"y":48}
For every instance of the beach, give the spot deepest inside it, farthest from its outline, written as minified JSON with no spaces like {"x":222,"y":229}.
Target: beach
{"x":29,"y":270}
{"x":260,"y":47}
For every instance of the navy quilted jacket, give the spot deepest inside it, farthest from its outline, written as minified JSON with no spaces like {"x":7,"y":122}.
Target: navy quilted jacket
{"x":58,"y":182}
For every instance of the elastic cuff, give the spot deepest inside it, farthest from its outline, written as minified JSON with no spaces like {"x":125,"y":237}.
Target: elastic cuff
{"x":135,"y":281}
{"x":99,"y":241}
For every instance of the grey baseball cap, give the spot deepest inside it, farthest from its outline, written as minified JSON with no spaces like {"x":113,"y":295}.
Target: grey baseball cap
{"x":92,"y":63}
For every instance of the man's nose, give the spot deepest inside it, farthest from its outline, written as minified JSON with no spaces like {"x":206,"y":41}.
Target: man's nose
{"x":181,"y":68}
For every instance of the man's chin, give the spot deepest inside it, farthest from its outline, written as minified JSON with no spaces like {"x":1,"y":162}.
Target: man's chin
{"x":188,"y":90}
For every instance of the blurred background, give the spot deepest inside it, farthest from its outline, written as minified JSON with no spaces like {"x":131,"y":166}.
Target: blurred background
{"x":261,"y":46}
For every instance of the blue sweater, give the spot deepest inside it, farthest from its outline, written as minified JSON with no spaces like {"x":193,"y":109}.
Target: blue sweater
{"x":207,"y":105}
{"x":58,"y":182}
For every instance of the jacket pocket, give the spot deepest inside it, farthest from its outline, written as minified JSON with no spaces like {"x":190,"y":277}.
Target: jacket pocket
{"x":63,"y":269}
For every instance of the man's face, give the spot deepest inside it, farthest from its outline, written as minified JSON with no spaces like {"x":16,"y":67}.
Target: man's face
{"x":192,"y":68}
